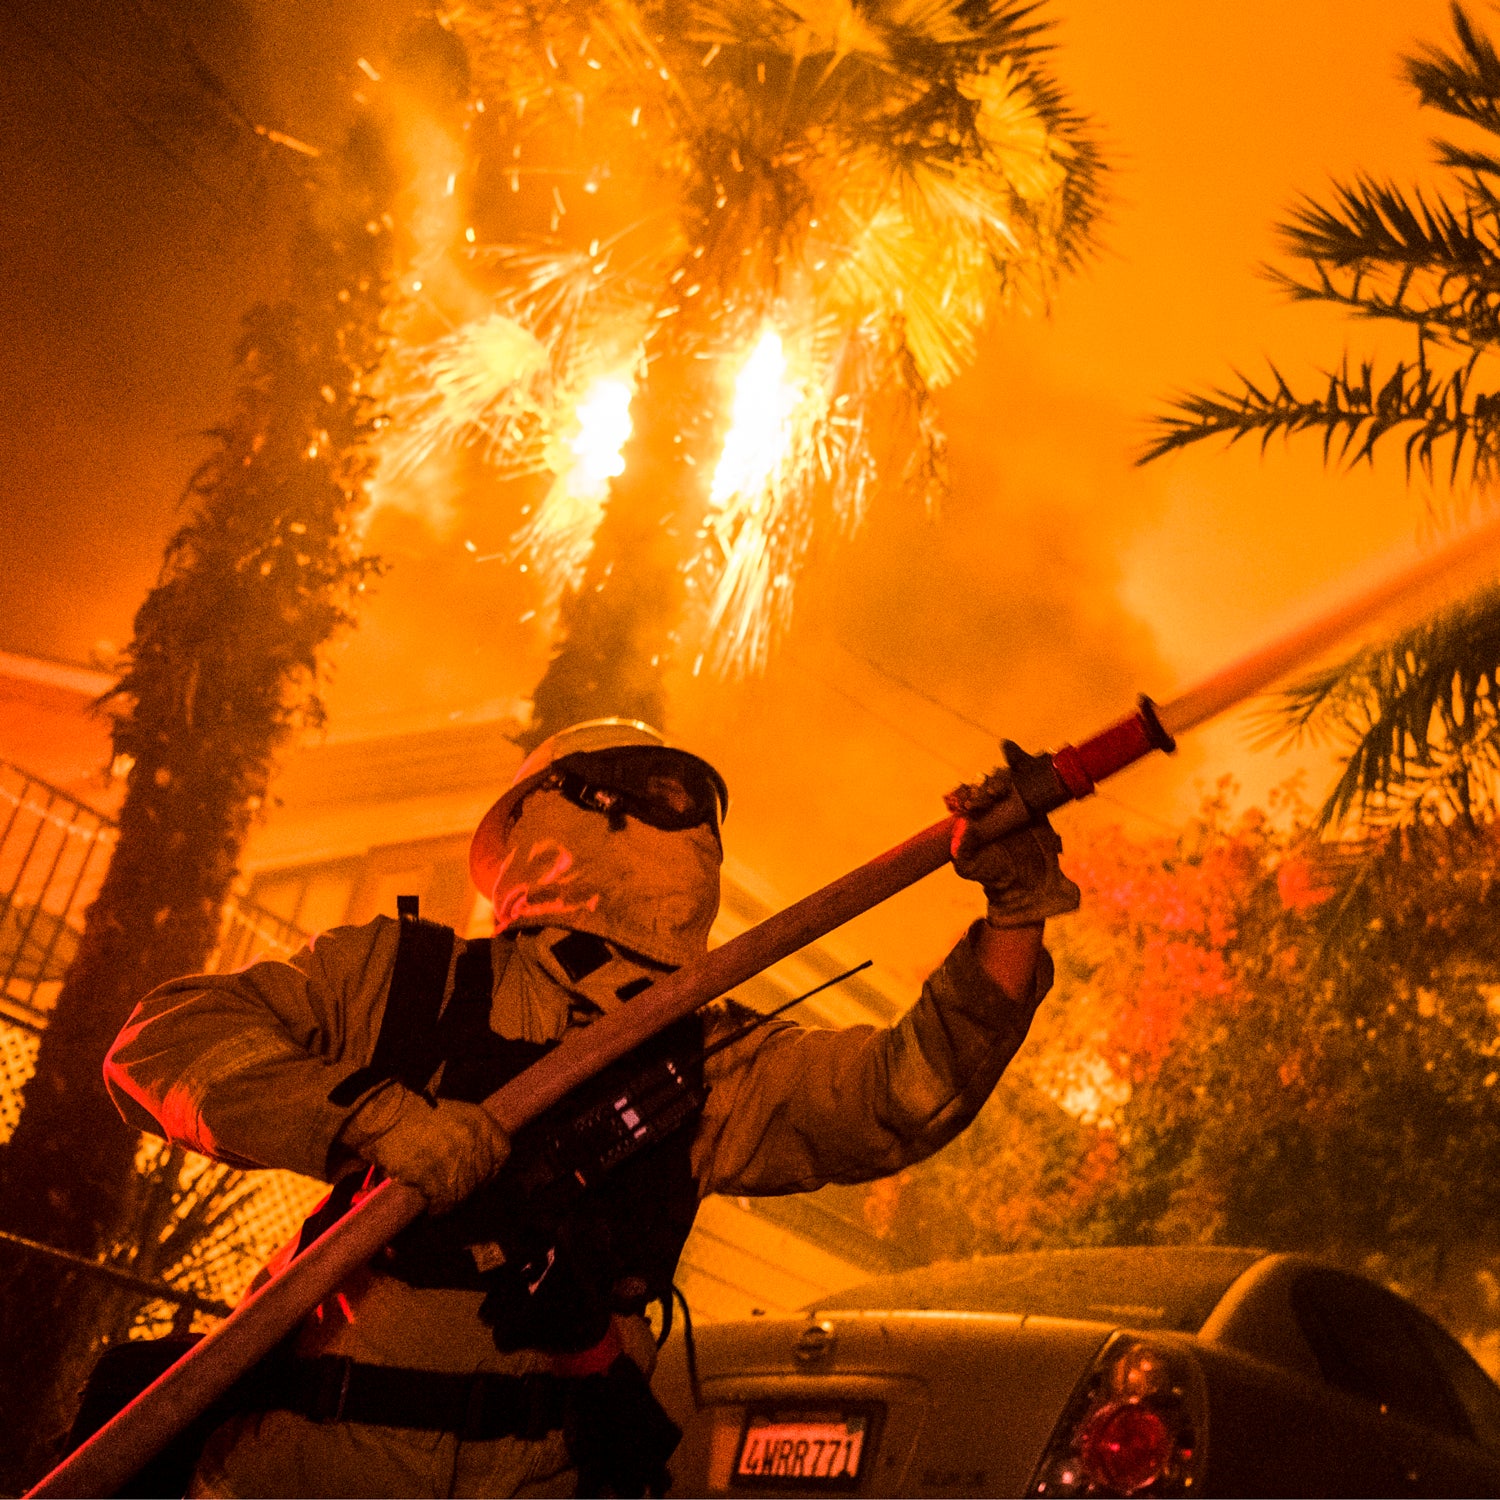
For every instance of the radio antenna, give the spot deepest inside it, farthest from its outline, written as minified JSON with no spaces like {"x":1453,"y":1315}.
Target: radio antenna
{"x":770,"y":1015}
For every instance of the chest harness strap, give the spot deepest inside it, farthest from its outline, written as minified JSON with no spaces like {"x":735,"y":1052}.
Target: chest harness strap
{"x":410,"y":1044}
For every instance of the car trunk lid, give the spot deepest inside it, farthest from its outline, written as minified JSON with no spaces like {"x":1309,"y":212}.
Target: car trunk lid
{"x":940,"y":1403}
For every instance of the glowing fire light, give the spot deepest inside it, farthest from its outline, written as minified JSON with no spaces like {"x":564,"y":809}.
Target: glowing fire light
{"x":1083,"y":1084}
{"x":761,"y":431}
{"x":754,"y":518}
{"x":560,"y":535}
{"x":603,"y":426}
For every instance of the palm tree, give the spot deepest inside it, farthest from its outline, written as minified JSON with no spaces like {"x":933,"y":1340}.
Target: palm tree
{"x":1418,"y":716}
{"x":223,"y":665}
{"x":789,"y":220}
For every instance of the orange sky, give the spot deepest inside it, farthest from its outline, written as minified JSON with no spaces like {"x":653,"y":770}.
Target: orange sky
{"x":1220,"y":115}
{"x":1060,"y":580}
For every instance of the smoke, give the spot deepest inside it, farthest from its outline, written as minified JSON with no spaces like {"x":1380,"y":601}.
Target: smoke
{"x":143,"y":217}
{"x":129,"y":261}
{"x":922,"y":635}
{"x":1007,"y":603}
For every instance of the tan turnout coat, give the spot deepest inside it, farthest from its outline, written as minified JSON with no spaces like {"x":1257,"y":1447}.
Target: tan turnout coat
{"x":240,"y":1066}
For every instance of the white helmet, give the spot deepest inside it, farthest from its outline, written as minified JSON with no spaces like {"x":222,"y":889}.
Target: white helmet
{"x":487,"y":851}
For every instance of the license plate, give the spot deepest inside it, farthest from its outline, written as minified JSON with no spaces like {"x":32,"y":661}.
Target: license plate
{"x":825,"y":1447}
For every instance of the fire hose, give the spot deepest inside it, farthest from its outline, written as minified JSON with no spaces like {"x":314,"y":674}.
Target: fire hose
{"x":1042,"y":784}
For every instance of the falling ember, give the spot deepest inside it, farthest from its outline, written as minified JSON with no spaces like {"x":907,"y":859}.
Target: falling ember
{"x":760,"y":433}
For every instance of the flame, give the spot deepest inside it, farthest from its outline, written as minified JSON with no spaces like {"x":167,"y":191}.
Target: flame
{"x":756,"y":518}
{"x":1084,"y":1085}
{"x":560,"y":535}
{"x":603,"y":426}
{"x":761,"y":430}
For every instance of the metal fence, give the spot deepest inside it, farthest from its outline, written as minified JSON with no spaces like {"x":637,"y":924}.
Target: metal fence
{"x":54,"y":851}
{"x":53,"y":854}
{"x":249,"y":932}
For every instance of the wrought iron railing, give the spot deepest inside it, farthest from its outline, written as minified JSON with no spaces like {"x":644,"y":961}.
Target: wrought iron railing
{"x":54,"y":850}
{"x":249,"y":932}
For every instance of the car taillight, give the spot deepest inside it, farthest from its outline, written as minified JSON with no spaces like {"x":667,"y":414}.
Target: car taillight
{"x":1127,"y":1447}
{"x":1135,"y":1426}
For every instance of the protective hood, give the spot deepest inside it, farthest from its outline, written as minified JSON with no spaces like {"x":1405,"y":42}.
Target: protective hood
{"x":649,"y":890}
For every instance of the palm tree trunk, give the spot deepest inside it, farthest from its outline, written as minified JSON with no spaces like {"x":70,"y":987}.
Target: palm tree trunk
{"x":221,"y":668}
{"x":620,"y":627}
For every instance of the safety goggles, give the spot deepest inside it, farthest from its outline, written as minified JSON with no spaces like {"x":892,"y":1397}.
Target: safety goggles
{"x":664,"y":788}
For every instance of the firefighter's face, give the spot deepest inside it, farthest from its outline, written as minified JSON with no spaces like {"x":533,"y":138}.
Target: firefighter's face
{"x":628,"y":852}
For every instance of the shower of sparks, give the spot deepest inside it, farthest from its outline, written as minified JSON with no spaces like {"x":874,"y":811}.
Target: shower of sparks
{"x":758,"y":521}
{"x":481,"y":381}
{"x":893,"y":249}
{"x":760,"y":434}
{"x":558,"y":537}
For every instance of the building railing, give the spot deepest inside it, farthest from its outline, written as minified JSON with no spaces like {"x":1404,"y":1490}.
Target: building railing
{"x":249,"y":932}
{"x":54,"y":851}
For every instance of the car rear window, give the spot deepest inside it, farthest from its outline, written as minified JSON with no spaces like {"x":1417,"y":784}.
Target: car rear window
{"x":1373,"y":1344}
{"x":1142,"y":1287}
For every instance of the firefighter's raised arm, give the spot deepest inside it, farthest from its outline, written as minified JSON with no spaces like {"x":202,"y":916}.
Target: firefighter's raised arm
{"x":798,"y":1107}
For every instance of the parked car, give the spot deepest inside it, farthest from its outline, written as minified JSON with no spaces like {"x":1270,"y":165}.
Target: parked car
{"x":1155,"y":1371}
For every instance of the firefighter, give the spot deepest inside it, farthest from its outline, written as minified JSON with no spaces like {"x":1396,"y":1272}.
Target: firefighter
{"x":499,"y":1346}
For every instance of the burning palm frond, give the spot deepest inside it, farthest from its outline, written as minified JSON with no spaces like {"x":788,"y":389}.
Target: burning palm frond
{"x":560,"y":533}
{"x":860,"y":185}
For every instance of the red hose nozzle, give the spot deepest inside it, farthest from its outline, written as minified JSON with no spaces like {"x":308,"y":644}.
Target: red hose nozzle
{"x":1079,"y":767}
{"x":1045,"y":782}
